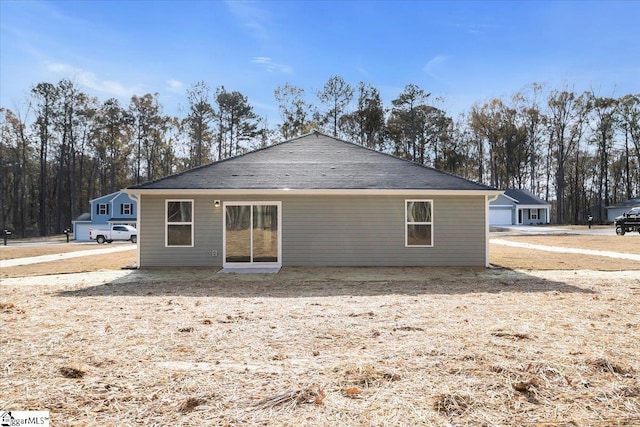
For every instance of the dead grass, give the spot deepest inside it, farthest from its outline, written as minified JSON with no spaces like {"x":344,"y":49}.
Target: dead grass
{"x":627,"y":244}
{"x":380,"y":347}
{"x":503,"y":256}
{"x":329,"y":346}
{"x":530,"y":259}
{"x":111,"y":261}
{"x":12,"y":251}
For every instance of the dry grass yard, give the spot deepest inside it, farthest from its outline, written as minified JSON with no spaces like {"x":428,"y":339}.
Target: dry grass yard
{"x":326,"y":347}
{"x":629,"y":243}
{"x":529,"y":259}
{"x":11,"y":251}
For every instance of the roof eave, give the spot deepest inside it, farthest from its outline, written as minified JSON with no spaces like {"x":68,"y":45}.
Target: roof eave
{"x":290,"y":191}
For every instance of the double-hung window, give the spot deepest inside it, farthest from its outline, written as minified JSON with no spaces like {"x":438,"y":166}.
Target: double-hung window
{"x":419,"y":223}
{"x":179,"y":217}
{"x":125,"y":209}
{"x":103,"y":209}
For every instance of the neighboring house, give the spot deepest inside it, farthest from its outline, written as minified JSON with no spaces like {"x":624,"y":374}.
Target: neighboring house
{"x":112,"y":209}
{"x":313,"y":201}
{"x":519,"y":207}
{"x":619,"y":208}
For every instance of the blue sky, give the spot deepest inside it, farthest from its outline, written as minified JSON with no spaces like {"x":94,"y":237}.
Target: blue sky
{"x":465,"y":52}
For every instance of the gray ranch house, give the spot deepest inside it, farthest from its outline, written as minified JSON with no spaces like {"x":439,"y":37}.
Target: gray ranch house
{"x":619,"y":208}
{"x":519,"y":207}
{"x":312,"y":201}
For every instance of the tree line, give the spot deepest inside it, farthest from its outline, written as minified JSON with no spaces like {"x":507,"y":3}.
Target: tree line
{"x":62,"y":147}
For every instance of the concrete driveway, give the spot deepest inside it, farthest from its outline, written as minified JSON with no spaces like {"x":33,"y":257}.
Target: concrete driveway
{"x":513,"y":230}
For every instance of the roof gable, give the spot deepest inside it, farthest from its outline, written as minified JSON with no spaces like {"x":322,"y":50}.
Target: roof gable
{"x":503,"y":200}
{"x":626,"y":204}
{"x":106,"y":198}
{"x":524,"y":197}
{"x":314,"y":161}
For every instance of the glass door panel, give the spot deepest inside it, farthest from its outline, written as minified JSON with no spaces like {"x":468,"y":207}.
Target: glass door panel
{"x":265,"y":233}
{"x":238,"y":233}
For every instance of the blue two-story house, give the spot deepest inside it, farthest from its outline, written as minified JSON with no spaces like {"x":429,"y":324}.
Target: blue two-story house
{"x":112,"y":209}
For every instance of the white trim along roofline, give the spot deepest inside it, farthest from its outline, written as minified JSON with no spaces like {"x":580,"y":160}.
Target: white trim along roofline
{"x":328,"y":192}
{"x":545,"y":206}
{"x":110,"y":197}
{"x":510,"y":198}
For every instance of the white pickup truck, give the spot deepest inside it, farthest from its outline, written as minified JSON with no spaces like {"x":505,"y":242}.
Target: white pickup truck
{"x":116,"y":232}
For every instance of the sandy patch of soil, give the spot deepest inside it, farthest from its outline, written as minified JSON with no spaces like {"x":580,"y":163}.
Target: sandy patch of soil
{"x":12,"y":252}
{"x":371,"y":346}
{"x":531,"y":259}
{"x":503,"y":256}
{"x":111,"y":261}
{"x":627,"y":244}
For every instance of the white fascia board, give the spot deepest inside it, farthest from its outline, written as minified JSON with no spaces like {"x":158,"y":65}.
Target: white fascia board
{"x":510,"y":198}
{"x":546,"y":206}
{"x":287,"y":191}
{"x":109,"y":197}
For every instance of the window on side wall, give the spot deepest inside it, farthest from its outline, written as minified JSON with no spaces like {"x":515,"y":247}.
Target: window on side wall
{"x":125,"y":209}
{"x":179,"y":220}
{"x":103,"y":209}
{"x":418,"y":223}
{"x":534,"y":214}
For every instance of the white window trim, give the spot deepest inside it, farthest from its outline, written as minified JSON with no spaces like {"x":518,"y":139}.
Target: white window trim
{"x":533,"y":214}
{"x":102,"y":208}
{"x":167,"y":223}
{"x":127,"y":208}
{"x":407,"y":223}
{"x":224,"y":234}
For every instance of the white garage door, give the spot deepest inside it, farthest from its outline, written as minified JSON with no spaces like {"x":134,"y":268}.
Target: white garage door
{"x":81,"y":231}
{"x":500,"y":216}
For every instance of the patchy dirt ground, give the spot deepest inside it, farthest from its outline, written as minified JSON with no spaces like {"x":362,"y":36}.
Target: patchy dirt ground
{"x":628,"y":244}
{"x":551,"y":341}
{"x":507,"y":257}
{"x":528,"y":259}
{"x":111,"y":261}
{"x":324,"y":347}
{"x":14,"y":251}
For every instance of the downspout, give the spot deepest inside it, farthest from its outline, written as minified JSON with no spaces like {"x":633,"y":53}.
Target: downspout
{"x":489,"y":199}
{"x":136,"y":197}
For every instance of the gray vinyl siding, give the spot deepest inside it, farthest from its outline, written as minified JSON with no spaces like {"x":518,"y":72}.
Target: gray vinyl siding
{"x":329,"y":231}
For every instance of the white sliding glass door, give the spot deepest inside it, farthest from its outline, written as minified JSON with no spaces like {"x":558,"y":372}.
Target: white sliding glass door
{"x":252,"y":234}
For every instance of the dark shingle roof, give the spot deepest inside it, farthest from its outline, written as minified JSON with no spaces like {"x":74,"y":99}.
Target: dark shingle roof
{"x":524,"y":197}
{"x":313,"y":161}
{"x":86,"y":216}
{"x":631,"y":203}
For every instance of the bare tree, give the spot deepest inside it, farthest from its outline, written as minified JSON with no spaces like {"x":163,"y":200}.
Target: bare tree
{"x":567,"y":117}
{"x":336,"y":95}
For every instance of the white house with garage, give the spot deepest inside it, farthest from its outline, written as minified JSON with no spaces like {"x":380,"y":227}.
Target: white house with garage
{"x":619,"y":208}
{"x":518,"y":207}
